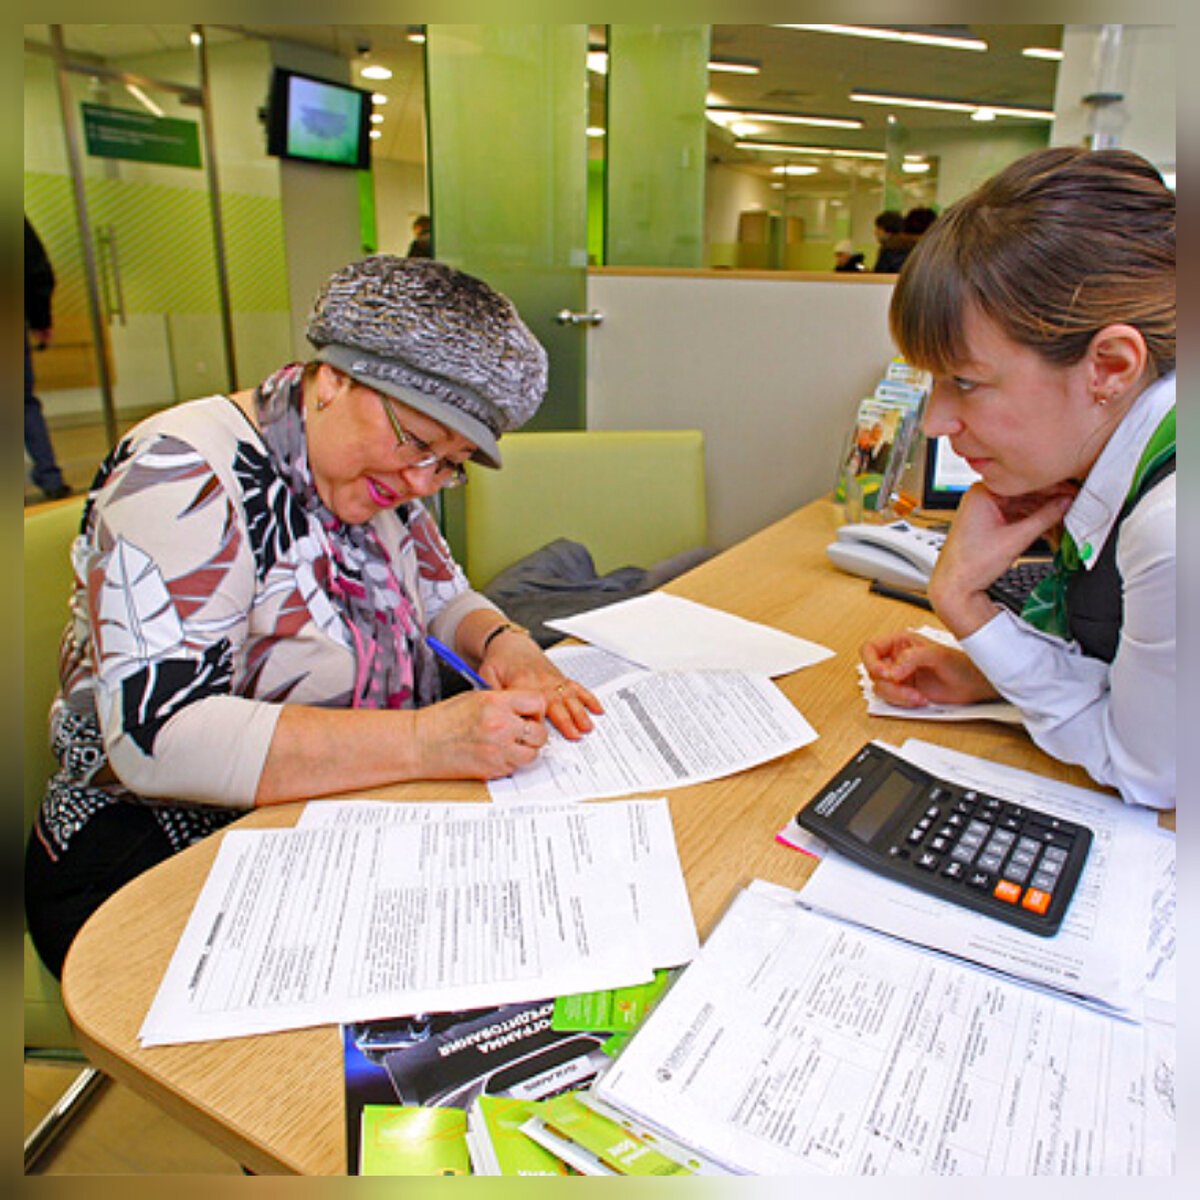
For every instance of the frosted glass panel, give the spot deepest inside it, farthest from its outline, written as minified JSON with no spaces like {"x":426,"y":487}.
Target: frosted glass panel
{"x":657,"y":82}
{"x":508,"y":179}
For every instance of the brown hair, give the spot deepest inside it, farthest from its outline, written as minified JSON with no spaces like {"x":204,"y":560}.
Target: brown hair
{"x":1055,"y":247}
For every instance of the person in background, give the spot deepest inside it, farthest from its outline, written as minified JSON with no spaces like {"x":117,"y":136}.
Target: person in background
{"x":918,"y":220}
{"x":1053,"y":357}
{"x":421,"y":245}
{"x":257,"y":580}
{"x":39,"y":288}
{"x":846,"y":258}
{"x":894,"y":243}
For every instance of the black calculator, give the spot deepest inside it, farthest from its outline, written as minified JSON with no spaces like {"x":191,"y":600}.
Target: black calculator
{"x":1006,"y":860}
{"x":1015,"y":586}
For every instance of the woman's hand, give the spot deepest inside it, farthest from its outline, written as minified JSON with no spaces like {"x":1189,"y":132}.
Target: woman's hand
{"x":515,"y":660}
{"x":988,"y":533}
{"x":479,"y":735}
{"x":913,"y":671}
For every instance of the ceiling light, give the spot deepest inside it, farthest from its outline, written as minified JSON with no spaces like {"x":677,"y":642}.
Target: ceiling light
{"x":595,"y":131}
{"x":721,"y":114}
{"x":743,"y":128}
{"x":378,"y":98}
{"x":144,"y":100}
{"x":1043,"y":52}
{"x":734,"y":66}
{"x":914,"y":168}
{"x":793,"y":148}
{"x":195,"y":38}
{"x":416,"y":34}
{"x":984,"y":114}
{"x":951,"y":41}
{"x":377,"y":118}
{"x":375,"y":71}
{"x":946,"y":105}
{"x":376,"y":134}
{"x":597,"y":60}
{"x":794,"y":169}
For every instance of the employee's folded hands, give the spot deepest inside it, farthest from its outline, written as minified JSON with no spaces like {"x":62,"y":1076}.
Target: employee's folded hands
{"x":913,"y":671}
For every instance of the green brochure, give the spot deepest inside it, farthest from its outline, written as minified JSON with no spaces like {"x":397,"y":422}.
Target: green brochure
{"x":498,"y":1147}
{"x":615,"y":1147}
{"x":617,"y":1010}
{"x":413,"y":1141}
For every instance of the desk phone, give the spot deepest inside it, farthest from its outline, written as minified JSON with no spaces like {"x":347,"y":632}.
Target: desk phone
{"x":1006,"y":860}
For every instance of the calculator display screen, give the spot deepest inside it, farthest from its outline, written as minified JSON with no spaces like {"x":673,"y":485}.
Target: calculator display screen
{"x":887,"y":798}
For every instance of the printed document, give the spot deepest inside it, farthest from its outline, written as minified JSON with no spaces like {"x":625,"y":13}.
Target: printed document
{"x":469,"y":906}
{"x":663,"y":729}
{"x":647,"y":844}
{"x":1099,"y":953}
{"x":795,"y":1044}
{"x":668,"y":633}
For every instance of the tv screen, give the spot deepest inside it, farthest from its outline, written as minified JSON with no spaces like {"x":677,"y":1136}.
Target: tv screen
{"x":947,"y":475}
{"x":315,"y":120}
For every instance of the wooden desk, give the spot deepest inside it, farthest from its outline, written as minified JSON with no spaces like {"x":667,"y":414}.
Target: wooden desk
{"x":275,"y":1103}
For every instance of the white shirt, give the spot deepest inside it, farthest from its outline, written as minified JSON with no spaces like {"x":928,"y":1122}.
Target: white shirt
{"x":1117,"y":720}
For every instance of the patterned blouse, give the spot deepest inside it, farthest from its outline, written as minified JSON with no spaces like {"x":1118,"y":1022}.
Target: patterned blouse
{"x":207,"y":595}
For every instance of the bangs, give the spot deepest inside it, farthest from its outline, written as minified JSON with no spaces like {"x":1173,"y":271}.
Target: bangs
{"x":927,"y":309}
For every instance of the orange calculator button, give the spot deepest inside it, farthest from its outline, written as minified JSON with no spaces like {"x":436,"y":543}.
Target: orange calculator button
{"x":1036,"y":900}
{"x":1007,"y":891}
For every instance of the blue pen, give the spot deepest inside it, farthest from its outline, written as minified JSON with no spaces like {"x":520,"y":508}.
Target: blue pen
{"x":456,"y":664}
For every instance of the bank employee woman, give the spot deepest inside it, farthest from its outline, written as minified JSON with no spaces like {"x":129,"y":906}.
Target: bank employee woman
{"x":1044,"y":305}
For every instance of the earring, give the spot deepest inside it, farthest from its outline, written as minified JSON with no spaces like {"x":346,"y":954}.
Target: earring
{"x":323,"y":404}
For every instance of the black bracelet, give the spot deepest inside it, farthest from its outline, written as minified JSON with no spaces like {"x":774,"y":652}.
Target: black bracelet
{"x":503,"y":627}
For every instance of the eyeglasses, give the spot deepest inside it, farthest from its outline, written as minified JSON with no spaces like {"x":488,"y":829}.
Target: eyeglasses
{"x":446,"y":473}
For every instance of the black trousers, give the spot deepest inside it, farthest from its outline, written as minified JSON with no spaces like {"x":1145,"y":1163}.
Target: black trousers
{"x":115,"y":846}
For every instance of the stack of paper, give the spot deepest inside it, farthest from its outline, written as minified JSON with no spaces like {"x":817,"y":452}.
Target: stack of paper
{"x":797,"y":1044}
{"x":374,"y":911}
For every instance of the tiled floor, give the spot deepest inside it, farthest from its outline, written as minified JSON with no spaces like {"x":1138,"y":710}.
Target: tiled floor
{"x":119,"y":1133}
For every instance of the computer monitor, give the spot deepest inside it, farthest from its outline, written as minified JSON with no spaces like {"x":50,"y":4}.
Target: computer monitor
{"x":318,"y":121}
{"x":947,"y":475}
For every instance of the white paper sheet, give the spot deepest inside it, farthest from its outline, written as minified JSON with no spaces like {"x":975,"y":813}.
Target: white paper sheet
{"x":988,"y":710}
{"x":652,"y":876}
{"x":353,"y":922}
{"x":663,"y":729}
{"x":1098,"y":953}
{"x":669,"y":633}
{"x":795,"y":1044}
{"x":1160,"y":949}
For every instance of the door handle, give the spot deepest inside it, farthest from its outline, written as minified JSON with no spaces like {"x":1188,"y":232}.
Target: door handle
{"x":567,"y":317}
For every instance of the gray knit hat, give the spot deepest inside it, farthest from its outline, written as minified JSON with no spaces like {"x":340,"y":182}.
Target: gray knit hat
{"x":435,"y":338}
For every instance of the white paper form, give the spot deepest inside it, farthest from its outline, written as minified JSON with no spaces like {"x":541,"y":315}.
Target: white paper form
{"x":1098,"y":953}
{"x":659,"y":730}
{"x":669,"y":633}
{"x":298,"y":927}
{"x":653,"y":875}
{"x":796,"y":1044}
{"x":1160,"y":948}
{"x":987,"y":710}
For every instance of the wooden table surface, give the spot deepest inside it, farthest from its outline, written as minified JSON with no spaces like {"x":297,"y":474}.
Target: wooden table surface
{"x":276,"y":1103}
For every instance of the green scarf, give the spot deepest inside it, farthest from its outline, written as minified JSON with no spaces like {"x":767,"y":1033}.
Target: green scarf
{"x":1046,"y":608}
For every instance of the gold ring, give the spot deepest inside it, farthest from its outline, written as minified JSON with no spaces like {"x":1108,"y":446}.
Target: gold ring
{"x":561,"y":689}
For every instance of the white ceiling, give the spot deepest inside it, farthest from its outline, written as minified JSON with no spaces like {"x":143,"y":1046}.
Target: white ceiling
{"x":804,"y":72}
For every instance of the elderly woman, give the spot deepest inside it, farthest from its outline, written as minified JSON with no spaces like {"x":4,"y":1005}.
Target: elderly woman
{"x":256,"y":578}
{"x":1044,"y":305}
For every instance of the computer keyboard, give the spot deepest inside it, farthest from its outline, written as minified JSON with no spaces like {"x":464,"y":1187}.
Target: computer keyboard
{"x":1012,"y":589}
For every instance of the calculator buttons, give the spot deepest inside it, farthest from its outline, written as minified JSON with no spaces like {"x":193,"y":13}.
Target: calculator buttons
{"x":1017,"y":872}
{"x":1009,"y":892}
{"x":928,"y":861}
{"x":980,"y":880}
{"x":953,"y":869}
{"x":1036,"y":901}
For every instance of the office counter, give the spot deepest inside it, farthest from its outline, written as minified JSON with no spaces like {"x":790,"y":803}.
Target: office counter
{"x":275,"y":1102}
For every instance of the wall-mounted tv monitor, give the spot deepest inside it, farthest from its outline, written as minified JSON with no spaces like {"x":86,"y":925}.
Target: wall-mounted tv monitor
{"x":315,"y":120}
{"x":947,"y":475}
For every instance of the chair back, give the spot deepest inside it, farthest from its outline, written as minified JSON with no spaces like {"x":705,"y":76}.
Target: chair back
{"x":48,"y":581}
{"x":632,"y":497}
